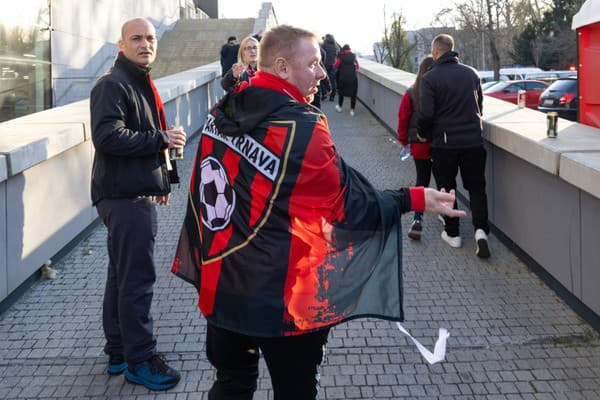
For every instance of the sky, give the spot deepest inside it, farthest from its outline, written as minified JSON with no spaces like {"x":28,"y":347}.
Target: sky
{"x":359,"y":23}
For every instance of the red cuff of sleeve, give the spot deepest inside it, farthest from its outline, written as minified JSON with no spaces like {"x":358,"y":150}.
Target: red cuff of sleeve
{"x":417,"y":198}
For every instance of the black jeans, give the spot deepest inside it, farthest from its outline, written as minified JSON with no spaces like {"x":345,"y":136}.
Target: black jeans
{"x":126,"y":318}
{"x":471,"y":162}
{"x":293,"y":363}
{"x":324,"y":87}
{"x":423,"y":168}
{"x":317,"y":98}
{"x":352,"y":100}
{"x":331,"y":72}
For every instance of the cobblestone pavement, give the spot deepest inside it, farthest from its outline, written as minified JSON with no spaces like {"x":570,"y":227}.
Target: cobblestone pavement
{"x":511,"y":336}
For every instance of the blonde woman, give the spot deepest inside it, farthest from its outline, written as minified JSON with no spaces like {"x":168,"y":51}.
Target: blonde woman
{"x":245,"y":68}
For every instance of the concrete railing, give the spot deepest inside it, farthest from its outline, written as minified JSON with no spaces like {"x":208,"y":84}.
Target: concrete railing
{"x":543,"y":193}
{"x":45,"y":168}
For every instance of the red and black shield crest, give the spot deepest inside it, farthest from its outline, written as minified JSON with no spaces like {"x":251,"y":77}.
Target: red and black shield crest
{"x":235,"y":182}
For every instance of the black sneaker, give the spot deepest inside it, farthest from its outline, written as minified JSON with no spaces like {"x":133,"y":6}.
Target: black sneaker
{"x":116,"y":364}
{"x":154,"y":374}
{"x":415,"y":230}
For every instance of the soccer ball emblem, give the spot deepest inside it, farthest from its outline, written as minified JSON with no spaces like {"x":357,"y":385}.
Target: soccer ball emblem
{"x":217,"y":197}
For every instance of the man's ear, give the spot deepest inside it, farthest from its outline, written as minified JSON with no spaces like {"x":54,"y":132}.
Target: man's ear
{"x":120,"y":44}
{"x":281,"y":68}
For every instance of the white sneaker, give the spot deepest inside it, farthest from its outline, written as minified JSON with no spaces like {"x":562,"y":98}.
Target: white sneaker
{"x":338,"y":108}
{"x":483,"y":249}
{"x":453,"y":241}
{"x":352,"y":113}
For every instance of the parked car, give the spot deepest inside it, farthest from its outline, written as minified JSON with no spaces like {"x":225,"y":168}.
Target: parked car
{"x":508,"y":90}
{"x":509,"y":73}
{"x":551,"y":76}
{"x":488,"y":84}
{"x":561,"y":96}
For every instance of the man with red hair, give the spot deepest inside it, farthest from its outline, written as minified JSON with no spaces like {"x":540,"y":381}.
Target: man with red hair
{"x":282,"y":239}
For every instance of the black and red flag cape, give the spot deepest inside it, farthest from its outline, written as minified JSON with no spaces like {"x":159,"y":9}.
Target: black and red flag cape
{"x":281,"y":237}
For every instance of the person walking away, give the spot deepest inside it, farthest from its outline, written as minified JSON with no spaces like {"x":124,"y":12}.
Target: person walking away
{"x":324,"y":84}
{"x":450,"y":111}
{"x":281,"y":238}
{"x":131,"y":173}
{"x":229,"y":54}
{"x":420,"y":148}
{"x":332,"y":49}
{"x":346,"y":66}
{"x":245,"y":68}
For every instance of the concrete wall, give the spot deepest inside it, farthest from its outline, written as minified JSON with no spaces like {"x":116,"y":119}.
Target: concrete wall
{"x":84,"y":39}
{"x":543,"y":194}
{"x":210,"y":7}
{"x":45,"y":169}
{"x":3,"y":268}
{"x":266,"y":18}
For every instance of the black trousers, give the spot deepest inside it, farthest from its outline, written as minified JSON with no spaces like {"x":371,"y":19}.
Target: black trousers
{"x":352,"y":100}
{"x":317,"y":98}
{"x":471,"y":162}
{"x":126,"y":318}
{"x":331,"y":72}
{"x":423,"y":168}
{"x":324,"y":87}
{"x":293,"y":363}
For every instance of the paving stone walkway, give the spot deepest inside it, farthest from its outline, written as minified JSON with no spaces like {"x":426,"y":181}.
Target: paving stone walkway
{"x":511,"y":336}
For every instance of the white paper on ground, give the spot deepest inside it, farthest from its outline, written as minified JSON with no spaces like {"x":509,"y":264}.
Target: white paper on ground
{"x":439,"y":351}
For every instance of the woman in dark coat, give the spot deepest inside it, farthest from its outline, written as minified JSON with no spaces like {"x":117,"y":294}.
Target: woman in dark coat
{"x":346,"y":78}
{"x":420,"y":148}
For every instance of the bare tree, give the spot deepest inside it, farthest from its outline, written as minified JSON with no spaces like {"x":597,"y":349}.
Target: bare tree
{"x":489,"y":26}
{"x":534,"y":13}
{"x":481,"y":18}
{"x":396,"y":45}
{"x":379,"y":52}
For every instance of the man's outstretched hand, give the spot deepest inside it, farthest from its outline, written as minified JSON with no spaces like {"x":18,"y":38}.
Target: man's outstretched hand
{"x":440,"y":202}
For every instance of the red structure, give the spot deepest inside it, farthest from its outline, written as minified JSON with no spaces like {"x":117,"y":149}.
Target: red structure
{"x":587,"y":24}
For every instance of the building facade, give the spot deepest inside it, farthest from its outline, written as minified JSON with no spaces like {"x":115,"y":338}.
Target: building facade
{"x":52,"y":51}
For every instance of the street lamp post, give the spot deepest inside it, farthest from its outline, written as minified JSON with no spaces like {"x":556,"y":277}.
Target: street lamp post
{"x":482,"y":51}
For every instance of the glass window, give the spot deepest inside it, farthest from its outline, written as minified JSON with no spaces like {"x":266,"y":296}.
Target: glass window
{"x":498,"y":86}
{"x":25,"y":85}
{"x":535,"y":86}
{"x":513,"y":88}
{"x":565,"y":85}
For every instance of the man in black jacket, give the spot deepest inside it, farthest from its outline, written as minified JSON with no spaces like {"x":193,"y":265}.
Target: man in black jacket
{"x":131,"y":173}
{"x":331,"y":52}
{"x":450,"y":108}
{"x":229,"y":54}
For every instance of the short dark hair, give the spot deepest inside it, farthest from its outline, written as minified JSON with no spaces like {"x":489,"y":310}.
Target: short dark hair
{"x":443,"y":42}
{"x":230,"y":38}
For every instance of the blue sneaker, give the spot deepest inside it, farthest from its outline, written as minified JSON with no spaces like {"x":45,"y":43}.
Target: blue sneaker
{"x":154,"y":374}
{"x":116,"y":364}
